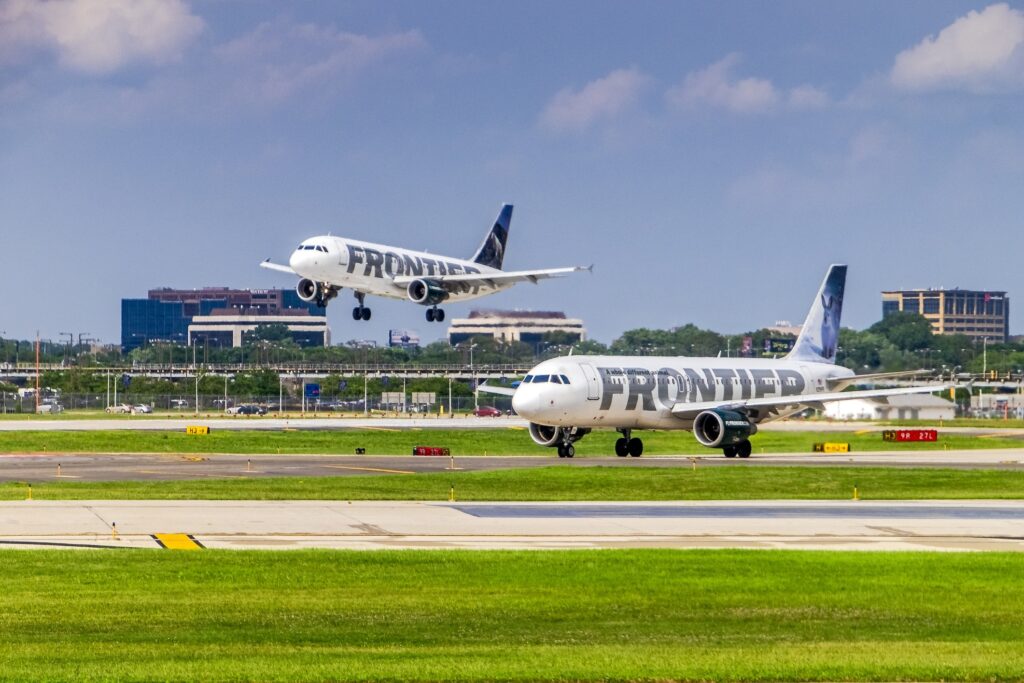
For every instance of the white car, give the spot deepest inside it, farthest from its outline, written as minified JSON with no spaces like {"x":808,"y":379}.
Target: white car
{"x":121,"y":408}
{"x":141,"y":409}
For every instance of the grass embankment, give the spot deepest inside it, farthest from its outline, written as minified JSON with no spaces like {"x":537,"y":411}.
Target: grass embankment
{"x":559,"y":483}
{"x":572,"y":615}
{"x":508,"y":441}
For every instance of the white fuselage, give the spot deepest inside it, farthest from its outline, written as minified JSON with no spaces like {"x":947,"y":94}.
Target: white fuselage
{"x":370,"y":268}
{"x":640,"y":392}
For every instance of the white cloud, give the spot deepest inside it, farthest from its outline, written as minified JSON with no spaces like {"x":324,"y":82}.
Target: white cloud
{"x":981,"y":51}
{"x":807,"y":97}
{"x":278,"y":59}
{"x":97,"y":36}
{"x":602,"y":99}
{"x":715,"y":86}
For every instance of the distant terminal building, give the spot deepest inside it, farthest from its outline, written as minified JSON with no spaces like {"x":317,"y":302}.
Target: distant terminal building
{"x":974,"y":313}
{"x":165,"y":315}
{"x":523,"y":326}
{"x":224,"y":328}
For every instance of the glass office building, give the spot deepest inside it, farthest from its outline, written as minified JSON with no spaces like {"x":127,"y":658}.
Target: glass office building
{"x":164,"y":316}
{"x":975,"y":313}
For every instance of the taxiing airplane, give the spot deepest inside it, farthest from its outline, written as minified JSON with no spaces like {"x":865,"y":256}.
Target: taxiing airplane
{"x":721,"y":400}
{"x":326,"y":264}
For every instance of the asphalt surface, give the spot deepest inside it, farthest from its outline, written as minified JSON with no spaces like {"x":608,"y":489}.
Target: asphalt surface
{"x":326,"y":422}
{"x":830,"y":525}
{"x":156,"y":467}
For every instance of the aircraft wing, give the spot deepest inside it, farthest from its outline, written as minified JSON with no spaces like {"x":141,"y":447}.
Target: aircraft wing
{"x":270,"y":265}
{"x":492,"y":279}
{"x":689,"y":410}
{"x":487,"y":388}
{"x":843,"y":382}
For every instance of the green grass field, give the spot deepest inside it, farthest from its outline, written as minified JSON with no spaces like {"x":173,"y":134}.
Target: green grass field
{"x":566,"y":483}
{"x":510,"y":441}
{"x":476,"y":615}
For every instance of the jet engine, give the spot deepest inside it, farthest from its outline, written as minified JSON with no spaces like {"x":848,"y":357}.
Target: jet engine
{"x":544,"y":435}
{"x":426,"y":292}
{"x":717,"y":428}
{"x":307,"y":289}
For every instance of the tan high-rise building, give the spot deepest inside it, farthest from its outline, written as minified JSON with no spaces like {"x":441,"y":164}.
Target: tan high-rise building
{"x":976,"y":314}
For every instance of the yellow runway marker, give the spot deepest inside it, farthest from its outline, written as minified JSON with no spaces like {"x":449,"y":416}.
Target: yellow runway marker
{"x":369,"y":469}
{"x":381,"y":429}
{"x":177,"y":541}
{"x":864,"y":431}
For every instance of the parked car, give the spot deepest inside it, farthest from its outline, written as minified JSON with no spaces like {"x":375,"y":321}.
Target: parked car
{"x":141,"y":409}
{"x":50,"y":408}
{"x":120,"y":408}
{"x":486,"y":411}
{"x":179,"y":403}
{"x":247,"y":409}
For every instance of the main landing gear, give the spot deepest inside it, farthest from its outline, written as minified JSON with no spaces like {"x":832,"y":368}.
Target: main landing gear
{"x":360,"y":312}
{"x":627,"y":445}
{"x":437,"y":314}
{"x":742,"y":449}
{"x":566,"y":450}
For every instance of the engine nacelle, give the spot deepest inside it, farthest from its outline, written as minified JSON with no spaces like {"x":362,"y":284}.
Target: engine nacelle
{"x":544,"y":435}
{"x":717,"y":428}
{"x":307,"y":289}
{"x":426,"y":292}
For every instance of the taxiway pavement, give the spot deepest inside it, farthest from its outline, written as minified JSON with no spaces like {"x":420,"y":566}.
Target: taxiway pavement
{"x":832,"y":525}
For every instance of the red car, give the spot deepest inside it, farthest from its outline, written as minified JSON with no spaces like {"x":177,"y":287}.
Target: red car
{"x":486,"y":411}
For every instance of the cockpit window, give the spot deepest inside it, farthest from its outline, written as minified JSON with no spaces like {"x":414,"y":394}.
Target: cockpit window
{"x":540,"y":379}
{"x":527,"y":379}
{"x":555,"y":379}
{"x":565,"y":380}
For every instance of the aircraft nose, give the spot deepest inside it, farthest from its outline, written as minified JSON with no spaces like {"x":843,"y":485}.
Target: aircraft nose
{"x":526,"y":403}
{"x":297,"y":261}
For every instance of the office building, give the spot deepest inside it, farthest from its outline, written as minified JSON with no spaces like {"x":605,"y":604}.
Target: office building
{"x":165,"y":315}
{"x":974,"y":313}
{"x":529,"y":327}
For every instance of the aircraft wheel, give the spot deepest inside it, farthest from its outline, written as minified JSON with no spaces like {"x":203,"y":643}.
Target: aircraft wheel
{"x":636,"y":447}
{"x":729,"y":451}
{"x":621,"y":448}
{"x":570,"y":451}
{"x":439,"y":317}
{"x":366,"y":314}
{"x":744,"y":449}
{"x":561,"y":451}
{"x":430,"y":315}
{"x":357,"y":314}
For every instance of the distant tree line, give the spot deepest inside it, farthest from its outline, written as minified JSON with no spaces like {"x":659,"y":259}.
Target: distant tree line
{"x":901,"y":341}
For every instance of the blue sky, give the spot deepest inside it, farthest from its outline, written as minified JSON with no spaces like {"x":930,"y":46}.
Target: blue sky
{"x":711,"y":159}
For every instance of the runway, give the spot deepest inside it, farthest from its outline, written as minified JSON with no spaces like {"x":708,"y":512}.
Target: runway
{"x":947,"y":526}
{"x":327,"y":422}
{"x":156,"y":467}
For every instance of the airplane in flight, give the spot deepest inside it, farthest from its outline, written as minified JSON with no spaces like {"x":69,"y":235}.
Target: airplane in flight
{"x":721,"y":400}
{"x":327,"y":264}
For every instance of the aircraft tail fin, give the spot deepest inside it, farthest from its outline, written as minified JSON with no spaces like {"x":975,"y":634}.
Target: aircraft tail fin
{"x":492,"y":251}
{"x":819,"y":336}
